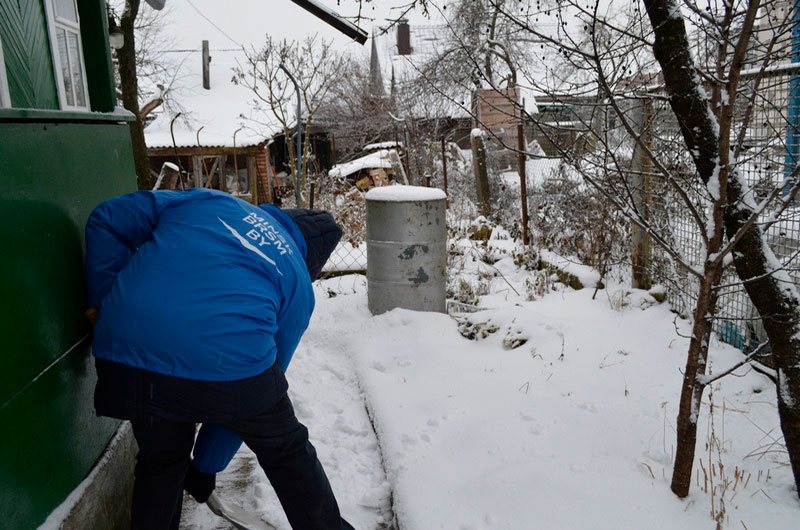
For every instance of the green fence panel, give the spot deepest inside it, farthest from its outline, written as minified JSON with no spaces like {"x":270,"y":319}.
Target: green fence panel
{"x":52,"y":175}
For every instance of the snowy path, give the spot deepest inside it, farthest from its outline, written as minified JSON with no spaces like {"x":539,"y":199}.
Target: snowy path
{"x":328,"y":400}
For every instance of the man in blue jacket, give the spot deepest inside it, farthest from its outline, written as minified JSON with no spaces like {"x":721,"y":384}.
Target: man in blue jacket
{"x":200,"y":300}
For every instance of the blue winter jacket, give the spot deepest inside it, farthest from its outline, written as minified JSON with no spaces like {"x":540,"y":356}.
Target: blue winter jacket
{"x":196,"y":284}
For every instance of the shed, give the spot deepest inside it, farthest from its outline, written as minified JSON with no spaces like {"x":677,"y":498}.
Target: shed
{"x":216,"y":137}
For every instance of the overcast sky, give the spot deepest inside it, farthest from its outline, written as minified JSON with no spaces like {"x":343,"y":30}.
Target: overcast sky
{"x":231,"y":23}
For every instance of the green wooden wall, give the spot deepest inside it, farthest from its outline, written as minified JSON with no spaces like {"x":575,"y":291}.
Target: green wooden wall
{"x":26,"y":49}
{"x":55,"y":167}
{"x":52,"y":174}
{"x":29,"y":63}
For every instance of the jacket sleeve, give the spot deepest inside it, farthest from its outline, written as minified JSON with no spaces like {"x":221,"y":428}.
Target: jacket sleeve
{"x":115,"y":229}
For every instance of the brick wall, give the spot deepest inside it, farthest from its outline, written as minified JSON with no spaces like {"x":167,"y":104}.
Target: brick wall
{"x":497,"y":114}
{"x":264,"y":175}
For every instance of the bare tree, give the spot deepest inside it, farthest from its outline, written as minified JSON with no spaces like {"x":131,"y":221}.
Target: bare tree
{"x":129,"y":88}
{"x":714,"y":113}
{"x":314,"y":65}
{"x":144,"y":76}
{"x":353,"y":113}
{"x":715,"y":149}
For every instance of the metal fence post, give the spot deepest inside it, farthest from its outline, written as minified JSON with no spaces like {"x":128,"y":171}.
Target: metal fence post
{"x":444,"y":166}
{"x":298,"y":154}
{"x":523,"y":179}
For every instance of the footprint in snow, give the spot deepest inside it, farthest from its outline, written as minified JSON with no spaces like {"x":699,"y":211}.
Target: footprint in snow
{"x":337,"y":373}
{"x":342,"y":426}
{"x":333,"y":408}
{"x":380,"y":367}
{"x":407,"y":440}
{"x":304,"y":412}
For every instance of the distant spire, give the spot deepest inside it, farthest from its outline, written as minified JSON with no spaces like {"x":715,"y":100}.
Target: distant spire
{"x":375,"y":77}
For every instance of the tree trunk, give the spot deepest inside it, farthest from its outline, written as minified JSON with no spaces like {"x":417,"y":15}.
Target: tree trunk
{"x":772,"y":292}
{"x":126,"y":58}
{"x":774,"y":296}
{"x":692,"y":389}
{"x":488,"y":58}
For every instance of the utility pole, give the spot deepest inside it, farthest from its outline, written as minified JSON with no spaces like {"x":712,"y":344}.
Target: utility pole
{"x":206,"y":70}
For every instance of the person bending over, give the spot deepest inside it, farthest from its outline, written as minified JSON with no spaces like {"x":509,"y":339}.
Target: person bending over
{"x":199,"y":300}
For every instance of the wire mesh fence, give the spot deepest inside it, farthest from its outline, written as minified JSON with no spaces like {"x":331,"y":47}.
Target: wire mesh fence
{"x":346,"y":203}
{"x":764,"y":162}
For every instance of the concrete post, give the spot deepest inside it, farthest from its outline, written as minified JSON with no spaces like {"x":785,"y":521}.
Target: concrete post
{"x":480,"y":170}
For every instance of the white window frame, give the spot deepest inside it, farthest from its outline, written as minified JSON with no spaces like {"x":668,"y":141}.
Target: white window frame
{"x":5,"y":96}
{"x":53,"y":24}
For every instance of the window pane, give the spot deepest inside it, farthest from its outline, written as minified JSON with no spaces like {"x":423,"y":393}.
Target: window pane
{"x":76,"y":64}
{"x":66,"y":9}
{"x":65,"y":74}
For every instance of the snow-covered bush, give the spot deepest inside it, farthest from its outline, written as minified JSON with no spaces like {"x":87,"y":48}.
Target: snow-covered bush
{"x":574,"y":220}
{"x":538,"y":284}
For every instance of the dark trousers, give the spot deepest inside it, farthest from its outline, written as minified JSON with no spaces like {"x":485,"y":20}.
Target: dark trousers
{"x":161,"y":464}
{"x":257,"y":409}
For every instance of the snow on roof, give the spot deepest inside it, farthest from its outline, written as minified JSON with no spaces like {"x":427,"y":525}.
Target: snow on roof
{"x":383,"y":145}
{"x":427,"y":42}
{"x":216,"y":113}
{"x":400,"y":193}
{"x":372,"y":160}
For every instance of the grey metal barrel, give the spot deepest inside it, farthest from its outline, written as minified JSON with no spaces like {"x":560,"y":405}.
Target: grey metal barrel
{"x":406,"y":249}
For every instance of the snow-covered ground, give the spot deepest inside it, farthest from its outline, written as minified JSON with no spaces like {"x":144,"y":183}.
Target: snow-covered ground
{"x":571,"y":429}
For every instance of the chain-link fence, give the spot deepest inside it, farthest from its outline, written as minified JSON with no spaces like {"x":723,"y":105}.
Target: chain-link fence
{"x":346,"y":203}
{"x":764,"y":162}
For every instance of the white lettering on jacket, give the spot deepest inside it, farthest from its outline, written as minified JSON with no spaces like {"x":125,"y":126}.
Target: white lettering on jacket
{"x":249,"y":246}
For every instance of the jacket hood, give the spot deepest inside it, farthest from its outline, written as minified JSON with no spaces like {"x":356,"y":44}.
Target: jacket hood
{"x":321,"y":233}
